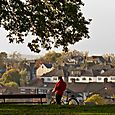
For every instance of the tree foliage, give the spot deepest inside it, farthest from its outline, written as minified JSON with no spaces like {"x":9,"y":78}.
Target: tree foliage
{"x":11,"y":84}
{"x":54,"y":22}
{"x":58,"y":58}
{"x":50,"y":57}
{"x":15,"y":56}
{"x":3,"y":55}
{"x":11,"y":76}
{"x":23,"y":80}
{"x":3,"y":58}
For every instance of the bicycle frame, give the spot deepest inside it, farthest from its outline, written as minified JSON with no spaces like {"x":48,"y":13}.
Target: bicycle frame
{"x":66,"y":99}
{"x":69,"y":98}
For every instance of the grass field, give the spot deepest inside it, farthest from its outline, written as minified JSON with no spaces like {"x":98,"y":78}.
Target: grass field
{"x":56,"y":110}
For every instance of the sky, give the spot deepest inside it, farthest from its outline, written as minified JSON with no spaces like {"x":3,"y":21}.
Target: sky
{"x":102,"y":13}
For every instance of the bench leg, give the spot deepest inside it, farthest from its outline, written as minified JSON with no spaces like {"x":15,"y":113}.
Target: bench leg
{"x":3,"y":100}
{"x":41,"y":100}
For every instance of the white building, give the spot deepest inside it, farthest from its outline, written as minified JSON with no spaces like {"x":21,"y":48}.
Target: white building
{"x":82,"y":79}
{"x":44,"y":68}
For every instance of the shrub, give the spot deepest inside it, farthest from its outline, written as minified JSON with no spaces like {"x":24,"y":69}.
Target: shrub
{"x":12,"y":84}
{"x":113,"y":96}
{"x":96,"y":99}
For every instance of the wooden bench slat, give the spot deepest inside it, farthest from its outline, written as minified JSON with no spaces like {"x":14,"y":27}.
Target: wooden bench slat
{"x":23,"y":96}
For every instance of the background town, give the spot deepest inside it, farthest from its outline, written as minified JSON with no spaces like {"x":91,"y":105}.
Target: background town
{"x":83,"y":74}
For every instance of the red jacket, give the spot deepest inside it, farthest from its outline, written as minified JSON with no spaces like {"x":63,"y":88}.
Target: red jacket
{"x":59,"y":88}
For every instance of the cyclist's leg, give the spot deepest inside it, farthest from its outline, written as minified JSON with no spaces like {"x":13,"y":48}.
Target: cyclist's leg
{"x":58,"y":99}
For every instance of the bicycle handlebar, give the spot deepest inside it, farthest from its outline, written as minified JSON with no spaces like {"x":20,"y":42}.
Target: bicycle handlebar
{"x":68,"y":91}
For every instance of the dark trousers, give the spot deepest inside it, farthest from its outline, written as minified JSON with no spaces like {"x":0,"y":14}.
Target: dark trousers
{"x":58,"y":99}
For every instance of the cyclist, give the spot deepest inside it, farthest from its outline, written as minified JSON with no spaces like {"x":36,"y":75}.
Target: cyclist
{"x":58,"y":89}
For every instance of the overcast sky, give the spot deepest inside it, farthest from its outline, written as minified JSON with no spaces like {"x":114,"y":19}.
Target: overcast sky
{"x":102,"y":31}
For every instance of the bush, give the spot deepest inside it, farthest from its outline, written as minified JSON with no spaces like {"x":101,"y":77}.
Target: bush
{"x":113,"y":96}
{"x":96,"y":99}
{"x":12,"y":84}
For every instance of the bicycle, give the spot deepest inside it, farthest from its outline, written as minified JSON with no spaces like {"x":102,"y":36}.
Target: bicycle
{"x":67,"y":99}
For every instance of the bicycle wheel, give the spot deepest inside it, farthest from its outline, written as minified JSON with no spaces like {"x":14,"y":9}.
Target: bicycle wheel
{"x":73,"y":101}
{"x":62,"y":103}
{"x":53,"y":101}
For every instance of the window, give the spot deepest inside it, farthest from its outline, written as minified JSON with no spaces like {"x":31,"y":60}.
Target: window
{"x":73,"y":80}
{"x":83,"y":78}
{"x":99,"y":78}
{"x":90,"y":79}
{"x":48,"y":79}
{"x":113,"y":78}
{"x":77,"y":79}
{"x":105,"y":80}
{"x":55,"y":79}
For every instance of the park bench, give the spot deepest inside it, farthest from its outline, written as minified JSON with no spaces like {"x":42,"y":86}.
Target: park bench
{"x":6,"y":97}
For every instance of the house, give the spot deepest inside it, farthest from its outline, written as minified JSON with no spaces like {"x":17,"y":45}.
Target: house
{"x":109,"y":72}
{"x":30,"y":67}
{"x":80,"y":75}
{"x":104,"y":89}
{"x":98,"y":69}
{"x":52,"y":76}
{"x":96,"y":59}
{"x":73,"y":70}
{"x":32,"y":70}
{"x":43,"y":69}
{"x":75,"y":59}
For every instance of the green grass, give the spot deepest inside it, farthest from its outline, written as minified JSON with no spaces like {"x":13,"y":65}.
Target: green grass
{"x":56,"y":110}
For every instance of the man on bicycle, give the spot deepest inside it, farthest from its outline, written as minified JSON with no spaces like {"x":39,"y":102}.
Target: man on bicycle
{"x":58,"y":89}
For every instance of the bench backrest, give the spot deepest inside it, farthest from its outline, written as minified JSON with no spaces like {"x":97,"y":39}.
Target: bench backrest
{"x":23,"y":96}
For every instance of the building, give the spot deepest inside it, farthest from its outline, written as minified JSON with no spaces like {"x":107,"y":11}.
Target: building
{"x":44,"y":68}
